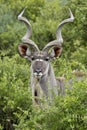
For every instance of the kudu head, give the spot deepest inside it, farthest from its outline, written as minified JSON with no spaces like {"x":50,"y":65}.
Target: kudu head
{"x":40,"y":59}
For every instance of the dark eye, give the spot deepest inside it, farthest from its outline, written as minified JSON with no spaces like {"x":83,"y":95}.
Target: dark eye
{"x":32,"y":58}
{"x":47,"y":58}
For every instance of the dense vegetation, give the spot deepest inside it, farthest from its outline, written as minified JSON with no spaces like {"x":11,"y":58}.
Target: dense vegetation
{"x":16,"y":110}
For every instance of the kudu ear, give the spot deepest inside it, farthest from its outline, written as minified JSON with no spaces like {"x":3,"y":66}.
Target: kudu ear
{"x":24,"y":50}
{"x":55,"y":52}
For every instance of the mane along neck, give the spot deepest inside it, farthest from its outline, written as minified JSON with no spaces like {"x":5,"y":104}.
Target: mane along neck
{"x":52,"y":77}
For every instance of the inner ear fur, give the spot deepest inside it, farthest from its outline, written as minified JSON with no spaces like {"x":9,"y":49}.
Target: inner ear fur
{"x":57,"y":51}
{"x":22,"y":49}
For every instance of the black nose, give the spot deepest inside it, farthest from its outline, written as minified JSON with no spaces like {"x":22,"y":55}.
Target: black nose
{"x":38,"y":71}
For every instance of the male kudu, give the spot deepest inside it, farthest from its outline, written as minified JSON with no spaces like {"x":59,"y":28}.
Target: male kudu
{"x":43,"y":80}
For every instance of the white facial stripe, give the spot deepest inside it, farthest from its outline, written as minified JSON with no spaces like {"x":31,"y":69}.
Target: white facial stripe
{"x":39,"y":59}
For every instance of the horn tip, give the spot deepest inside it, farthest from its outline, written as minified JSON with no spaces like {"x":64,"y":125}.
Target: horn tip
{"x":71,"y":15}
{"x":20,"y":15}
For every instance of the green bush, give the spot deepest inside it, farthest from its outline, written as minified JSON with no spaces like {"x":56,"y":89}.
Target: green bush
{"x":15,"y":96}
{"x":67,"y":112}
{"x":44,"y":17}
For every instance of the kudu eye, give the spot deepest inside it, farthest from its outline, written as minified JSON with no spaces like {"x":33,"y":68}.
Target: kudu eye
{"x":47,"y":58}
{"x":32,"y":58}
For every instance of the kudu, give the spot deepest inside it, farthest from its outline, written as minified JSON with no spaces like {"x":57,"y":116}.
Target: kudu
{"x":43,"y":80}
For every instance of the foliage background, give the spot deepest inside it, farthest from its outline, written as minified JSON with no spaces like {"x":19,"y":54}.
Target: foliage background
{"x":16,"y":110}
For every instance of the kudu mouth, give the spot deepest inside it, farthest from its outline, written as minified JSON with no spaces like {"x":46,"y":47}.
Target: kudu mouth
{"x":38,"y":75}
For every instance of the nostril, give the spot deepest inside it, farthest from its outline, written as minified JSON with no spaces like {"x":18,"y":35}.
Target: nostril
{"x":38,"y":71}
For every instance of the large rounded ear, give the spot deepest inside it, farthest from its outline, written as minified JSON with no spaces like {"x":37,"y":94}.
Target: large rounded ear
{"x":55,"y":52}
{"x":24,"y":50}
